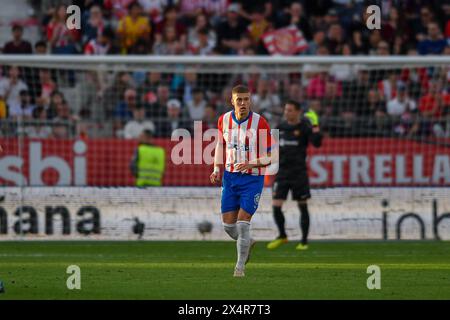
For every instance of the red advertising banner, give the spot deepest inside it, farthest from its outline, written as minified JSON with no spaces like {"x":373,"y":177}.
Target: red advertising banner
{"x":106,"y":162}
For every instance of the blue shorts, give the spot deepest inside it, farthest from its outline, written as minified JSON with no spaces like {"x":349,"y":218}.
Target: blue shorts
{"x":241,"y":190}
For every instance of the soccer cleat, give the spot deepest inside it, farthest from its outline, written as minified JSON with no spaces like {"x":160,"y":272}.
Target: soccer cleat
{"x":252,"y":245}
{"x":239,"y":273}
{"x":302,"y":246}
{"x":276,"y":243}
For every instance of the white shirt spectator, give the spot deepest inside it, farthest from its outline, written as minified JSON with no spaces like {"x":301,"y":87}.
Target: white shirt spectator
{"x":153,"y":8}
{"x":14,"y":90}
{"x":196,"y":111}
{"x":38,"y":131}
{"x":267,"y":102}
{"x":134,"y":128}
{"x":343,"y":72}
{"x":17,"y":110}
{"x":395,"y":107}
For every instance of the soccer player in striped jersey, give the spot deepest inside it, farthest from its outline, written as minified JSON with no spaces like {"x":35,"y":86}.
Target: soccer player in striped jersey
{"x":247,"y":140}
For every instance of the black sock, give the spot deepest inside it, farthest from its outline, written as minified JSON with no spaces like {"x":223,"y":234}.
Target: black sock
{"x":279,"y":220}
{"x":304,"y":221}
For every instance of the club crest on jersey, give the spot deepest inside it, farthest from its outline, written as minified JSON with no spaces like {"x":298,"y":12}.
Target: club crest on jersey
{"x":256,"y":199}
{"x":297,"y":133}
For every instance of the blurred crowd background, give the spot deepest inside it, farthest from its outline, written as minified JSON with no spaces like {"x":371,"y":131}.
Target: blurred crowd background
{"x":351,"y":101}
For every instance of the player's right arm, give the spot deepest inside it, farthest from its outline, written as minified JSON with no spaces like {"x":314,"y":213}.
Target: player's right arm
{"x":218,"y":153}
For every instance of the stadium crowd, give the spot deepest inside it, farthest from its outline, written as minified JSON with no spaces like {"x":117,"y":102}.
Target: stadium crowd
{"x":350,"y":101}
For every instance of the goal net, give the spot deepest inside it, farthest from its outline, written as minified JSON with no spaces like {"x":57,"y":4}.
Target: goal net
{"x":69,"y":128}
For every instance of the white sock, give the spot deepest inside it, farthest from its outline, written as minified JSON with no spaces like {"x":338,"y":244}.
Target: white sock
{"x":231,"y":229}
{"x":243,"y":243}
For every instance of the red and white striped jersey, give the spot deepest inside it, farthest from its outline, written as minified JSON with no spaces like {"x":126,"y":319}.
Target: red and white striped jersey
{"x":244,"y":140}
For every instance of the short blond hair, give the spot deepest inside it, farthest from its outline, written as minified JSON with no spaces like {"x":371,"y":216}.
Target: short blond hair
{"x":240,"y":89}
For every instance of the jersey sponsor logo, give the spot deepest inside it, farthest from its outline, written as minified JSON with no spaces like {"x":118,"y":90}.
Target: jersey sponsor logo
{"x":284,"y":142}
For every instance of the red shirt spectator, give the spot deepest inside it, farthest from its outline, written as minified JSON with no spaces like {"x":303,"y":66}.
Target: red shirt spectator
{"x":59,"y":36}
{"x":317,"y":86}
{"x":433,"y":103}
{"x":170,"y":19}
{"x":17,"y":45}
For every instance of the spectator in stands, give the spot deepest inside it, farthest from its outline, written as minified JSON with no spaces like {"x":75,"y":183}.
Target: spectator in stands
{"x":395,"y":26}
{"x":133,"y":27}
{"x":147,"y":90}
{"x":344,"y":71}
{"x":317,"y":41}
{"x":61,"y":39}
{"x":432,"y":105}
{"x":372,"y":105}
{"x":223,"y":101}
{"x":201,"y":22}
{"x":434,"y":43}
{"x":258,"y":25}
{"x":124,"y":110}
{"x":402,"y":111}
{"x":317,"y":85}
{"x":229,"y":31}
{"x":135,"y":126}
{"x":117,"y":9}
{"x":388,"y":85}
{"x":157,"y":109}
{"x":91,"y":91}
{"x":174,"y":121}
{"x":102,"y":44}
{"x":332,"y":102}
{"x":39,"y":128}
{"x":195,"y":108}
{"x":210,"y":117}
{"x":171,"y":20}
{"x":372,"y":117}
{"x":115,"y":93}
{"x":202,"y":47}
{"x":63,"y":121}
{"x":95,"y":24}
{"x":383,"y":48}
{"x":185,"y":84}
{"x":11,"y":87}
{"x":295,"y":92}
{"x":419,"y":26}
{"x":56,"y":100}
{"x":294,"y":16}
{"x":17,"y":45}
{"x":24,"y":109}
{"x":266,"y":102}
{"x":40,"y":47}
{"x":169,"y":44}
{"x":44,"y":86}
{"x":154,"y":9}
{"x":335,"y":39}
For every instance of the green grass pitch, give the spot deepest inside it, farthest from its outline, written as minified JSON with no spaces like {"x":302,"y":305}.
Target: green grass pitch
{"x":204,"y":269}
